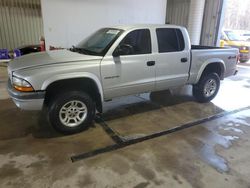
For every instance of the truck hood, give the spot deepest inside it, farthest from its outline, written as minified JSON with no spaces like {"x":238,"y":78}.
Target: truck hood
{"x":239,"y":43}
{"x":48,"y":58}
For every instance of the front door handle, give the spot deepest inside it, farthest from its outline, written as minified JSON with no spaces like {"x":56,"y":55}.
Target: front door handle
{"x":184,"y":60}
{"x":150,"y":63}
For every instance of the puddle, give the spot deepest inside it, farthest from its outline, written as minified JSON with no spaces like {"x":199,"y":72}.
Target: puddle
{"x":209,"y":155}
{"x":222,"y":135}
{"x":208,"y":151}
{"x":232,"y":129}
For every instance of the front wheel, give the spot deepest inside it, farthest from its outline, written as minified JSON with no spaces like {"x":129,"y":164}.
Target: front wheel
{"x":207,"y":88}
{"x":71,"y":112}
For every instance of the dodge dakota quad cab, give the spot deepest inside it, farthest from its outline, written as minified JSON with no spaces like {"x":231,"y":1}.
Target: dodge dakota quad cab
{"x":115,"y":62}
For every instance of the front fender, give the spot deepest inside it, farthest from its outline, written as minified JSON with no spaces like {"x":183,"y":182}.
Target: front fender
{"x":59,"y":77}
{"x":208,"y":62}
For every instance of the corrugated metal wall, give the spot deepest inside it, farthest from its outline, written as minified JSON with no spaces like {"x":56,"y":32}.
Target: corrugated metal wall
{"x":195,"y":20}
{"x":178,"y":12}
{"x":211,"y":22}
{"x":20,"y":23}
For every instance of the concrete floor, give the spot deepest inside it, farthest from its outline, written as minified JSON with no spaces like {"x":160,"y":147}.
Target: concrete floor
{"x":212,"y":154}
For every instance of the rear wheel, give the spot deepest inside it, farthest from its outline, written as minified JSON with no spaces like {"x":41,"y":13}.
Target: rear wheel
{"x":71,"y":112}
{"x":207,"y":88}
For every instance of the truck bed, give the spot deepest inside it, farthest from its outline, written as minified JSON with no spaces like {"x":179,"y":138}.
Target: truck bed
{"x":201,"y":55}
{"x":199,"y":47}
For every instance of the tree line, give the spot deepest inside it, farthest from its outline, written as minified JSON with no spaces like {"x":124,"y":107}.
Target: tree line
{"x":237,"y":15}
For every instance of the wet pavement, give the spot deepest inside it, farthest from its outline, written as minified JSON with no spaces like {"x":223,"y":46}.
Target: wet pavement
{"x":3,"y":81}
{"x":214,"y":153}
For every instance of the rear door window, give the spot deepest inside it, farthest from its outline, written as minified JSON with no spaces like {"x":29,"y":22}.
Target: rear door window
{"x":170,"y":40}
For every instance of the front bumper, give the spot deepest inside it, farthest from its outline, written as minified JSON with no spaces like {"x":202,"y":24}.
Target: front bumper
{"x":244,"y":56}
{"x":27,"y":101}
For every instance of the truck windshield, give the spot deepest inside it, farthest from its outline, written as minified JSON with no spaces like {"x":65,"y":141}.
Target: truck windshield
{"x":99,"y":42}
{"x":233,"y":36}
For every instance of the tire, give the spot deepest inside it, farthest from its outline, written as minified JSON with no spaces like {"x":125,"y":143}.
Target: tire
{"x":71,"y":112}
{"x":207,"y":87}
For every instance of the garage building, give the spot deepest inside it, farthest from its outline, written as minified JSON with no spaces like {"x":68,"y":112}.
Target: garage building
{"x":29,"y":19}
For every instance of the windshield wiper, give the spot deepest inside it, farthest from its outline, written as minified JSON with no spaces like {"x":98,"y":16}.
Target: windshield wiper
{"x":82,"y":50}
{"x":75,"y":49}
{"x":89,"y":52}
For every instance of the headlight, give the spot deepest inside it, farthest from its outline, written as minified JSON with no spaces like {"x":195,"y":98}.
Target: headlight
{"x":244,"y":48}
{"x":21,"y":84}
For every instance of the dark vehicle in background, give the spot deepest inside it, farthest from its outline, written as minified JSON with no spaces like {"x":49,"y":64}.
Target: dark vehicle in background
{"x":24,"y":50}
{"x":27,"y":49}
{"x":20,"y":51}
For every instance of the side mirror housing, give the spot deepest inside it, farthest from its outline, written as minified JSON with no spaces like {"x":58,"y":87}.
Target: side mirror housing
{"x":123,"y":49}
{"x":117,"y":52}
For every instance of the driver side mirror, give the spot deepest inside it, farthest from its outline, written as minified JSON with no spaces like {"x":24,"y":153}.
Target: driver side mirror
{"x":118,"y":51}
{"x":123,"y":49}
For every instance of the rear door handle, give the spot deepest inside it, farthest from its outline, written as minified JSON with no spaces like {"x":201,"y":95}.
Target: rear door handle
{"x":184,"y":60}
{"x":150,"y":63}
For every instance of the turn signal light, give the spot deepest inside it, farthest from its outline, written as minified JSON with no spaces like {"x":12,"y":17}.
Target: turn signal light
{"x":23,"y":89}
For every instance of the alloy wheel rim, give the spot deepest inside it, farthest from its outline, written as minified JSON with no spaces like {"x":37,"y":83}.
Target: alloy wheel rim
{"x":210,"y":88}
{"x":73,"y":113}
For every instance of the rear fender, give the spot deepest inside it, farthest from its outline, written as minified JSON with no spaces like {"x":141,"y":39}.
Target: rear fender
{"x":208,"y":62}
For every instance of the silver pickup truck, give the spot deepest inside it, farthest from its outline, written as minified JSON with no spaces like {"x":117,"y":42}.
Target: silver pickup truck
{"x":114,"y":62}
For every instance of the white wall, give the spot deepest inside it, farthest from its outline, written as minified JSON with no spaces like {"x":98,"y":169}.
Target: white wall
{"x":68,"y":22}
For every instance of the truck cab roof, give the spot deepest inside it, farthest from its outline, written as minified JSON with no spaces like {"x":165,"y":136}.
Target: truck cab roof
{"x":143,"y":26}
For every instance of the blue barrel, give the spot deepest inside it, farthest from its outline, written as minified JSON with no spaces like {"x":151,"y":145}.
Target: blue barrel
{"x":4,"y":54}
{"x":17,"y":53}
